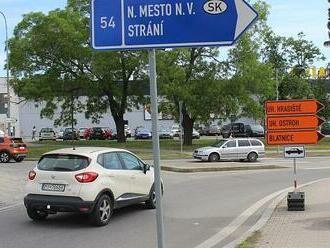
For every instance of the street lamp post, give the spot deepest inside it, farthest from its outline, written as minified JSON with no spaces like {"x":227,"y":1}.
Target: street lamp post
{"x":7,"y":56}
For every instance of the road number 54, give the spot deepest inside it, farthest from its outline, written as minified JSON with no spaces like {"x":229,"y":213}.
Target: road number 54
{"x":107,"y":22}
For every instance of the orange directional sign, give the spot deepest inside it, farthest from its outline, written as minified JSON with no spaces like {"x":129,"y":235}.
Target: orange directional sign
{"x":294,"y":122}
{"x":294,"y":137}
{"x":293,"y":107}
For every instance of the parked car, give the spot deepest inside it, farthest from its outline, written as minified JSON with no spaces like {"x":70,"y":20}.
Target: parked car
{"x":128,"y":132}
{"x":195,"y":134}
{"x":165,"y":133}
{"x":67,"y":134}
{"x":100,"y":133}
{"x":93,"y":181}
{"x":142,"y":133}
{"x":12,"y":148}
{"x":47,"y":134}
{"x":255,"y":130}
{"x":210,"y":130}
{"x":82,"y":132}
{"x":232,"y":149}
{"x":59,"y":134}
{"x":242,"y":130}
{"x":175,"y":129}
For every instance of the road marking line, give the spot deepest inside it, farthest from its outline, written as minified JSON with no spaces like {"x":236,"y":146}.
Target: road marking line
{"x":10,"y":207}
{"x":317,"y":168}
{"x":236,"y":223}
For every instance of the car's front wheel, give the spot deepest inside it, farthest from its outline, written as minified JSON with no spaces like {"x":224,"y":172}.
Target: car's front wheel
{"x":36,"y":214}
{"x":4,"y":157}
{"x":214,"y":157}
{"x":102,"y":211}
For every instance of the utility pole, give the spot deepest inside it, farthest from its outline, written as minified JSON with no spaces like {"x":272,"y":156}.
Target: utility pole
{"x":277,"y":97}
{"x":8,"y":88}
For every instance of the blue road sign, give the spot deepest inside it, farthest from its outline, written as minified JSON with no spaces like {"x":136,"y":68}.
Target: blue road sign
{"x":139,"y":24}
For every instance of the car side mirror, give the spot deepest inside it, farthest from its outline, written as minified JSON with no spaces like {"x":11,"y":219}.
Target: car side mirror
{"x":146,"y":168}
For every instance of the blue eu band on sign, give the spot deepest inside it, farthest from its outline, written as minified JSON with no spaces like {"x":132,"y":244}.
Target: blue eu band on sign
{"x":133,"y":24}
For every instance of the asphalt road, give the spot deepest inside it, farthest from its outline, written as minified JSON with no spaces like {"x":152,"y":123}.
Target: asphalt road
{"x":196,"y":206}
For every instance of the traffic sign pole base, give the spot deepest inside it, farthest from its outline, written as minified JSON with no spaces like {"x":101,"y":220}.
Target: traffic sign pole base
{"x":296,"y":201}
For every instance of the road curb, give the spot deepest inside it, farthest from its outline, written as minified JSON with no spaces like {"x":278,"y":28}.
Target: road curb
{"x":267,"y":215}
{"x":219,"y":169}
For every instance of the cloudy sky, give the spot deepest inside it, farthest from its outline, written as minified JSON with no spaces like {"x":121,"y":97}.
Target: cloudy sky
{"x":287,"y":18}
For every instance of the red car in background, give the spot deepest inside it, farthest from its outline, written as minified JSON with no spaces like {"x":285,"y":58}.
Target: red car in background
{"x":98,"y":133}
{"x":12,"y":148}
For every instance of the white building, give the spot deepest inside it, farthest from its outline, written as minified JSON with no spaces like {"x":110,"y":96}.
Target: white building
{"x":14,"y":109}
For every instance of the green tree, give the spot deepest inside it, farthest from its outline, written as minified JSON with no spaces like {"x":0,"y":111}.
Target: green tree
{"x":249,"y":70}
{"x":191,"y":76}
{"x":48,"y":51}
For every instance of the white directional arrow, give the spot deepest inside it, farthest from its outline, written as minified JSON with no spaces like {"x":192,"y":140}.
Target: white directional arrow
{"x":246,"y":16}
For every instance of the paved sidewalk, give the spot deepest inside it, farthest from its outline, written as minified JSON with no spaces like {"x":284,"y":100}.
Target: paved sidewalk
{"x":308,"y":229}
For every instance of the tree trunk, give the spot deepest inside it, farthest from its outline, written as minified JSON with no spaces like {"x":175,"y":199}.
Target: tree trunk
{"x":120,"y":126}
{"x":188,"y":124}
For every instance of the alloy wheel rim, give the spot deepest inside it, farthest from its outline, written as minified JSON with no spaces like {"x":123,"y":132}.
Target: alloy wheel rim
{"x":4,"y":157}
{"x":105,"y":210}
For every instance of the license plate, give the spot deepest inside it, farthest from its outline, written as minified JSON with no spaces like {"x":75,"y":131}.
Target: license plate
{"x":53,"y":187}
{"x":22,"y":148}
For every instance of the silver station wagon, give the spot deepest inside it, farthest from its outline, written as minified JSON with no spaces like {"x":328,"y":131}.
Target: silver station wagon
{"x":232,"y":149}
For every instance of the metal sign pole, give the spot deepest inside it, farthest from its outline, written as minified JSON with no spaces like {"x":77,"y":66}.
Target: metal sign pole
{"x":155,"y":146}
{"x":180,"y":125}
{"x":295,"y":174}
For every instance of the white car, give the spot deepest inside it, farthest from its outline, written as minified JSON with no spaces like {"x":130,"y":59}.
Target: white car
{"x":91,"y":180}
{"x":232,"y":149}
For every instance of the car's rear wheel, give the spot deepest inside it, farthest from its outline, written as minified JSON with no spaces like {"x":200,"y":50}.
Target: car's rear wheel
{"x":252,"y":157}
{"x":18,"y":160}
{"x":102,"y":211}
{"x":214,"y":157}
{"x":4,"y":157}
{"x":36,"y":214}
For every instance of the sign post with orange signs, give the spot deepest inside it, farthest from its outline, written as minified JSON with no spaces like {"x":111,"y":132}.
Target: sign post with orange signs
{"x":293,"y":123}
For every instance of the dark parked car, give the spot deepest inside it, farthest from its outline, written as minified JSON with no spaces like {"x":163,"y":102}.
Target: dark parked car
{"x":67,"y":134}
{"x":242,"y":130}
{"x":255,"y":130}
{"x":142,"y":133}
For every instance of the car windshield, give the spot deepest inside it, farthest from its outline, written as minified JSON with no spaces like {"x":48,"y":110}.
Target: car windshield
{"x":219,"y":143}
{"x":165,"y":130}
{"x":17,"y":140}
{"x":143,"y":130}
{"x":63,"y":162}
{"x":46,"y":130}
{"x":257,"y":128}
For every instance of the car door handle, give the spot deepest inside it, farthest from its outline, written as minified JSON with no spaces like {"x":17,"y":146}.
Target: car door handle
{"x":132,"y":177}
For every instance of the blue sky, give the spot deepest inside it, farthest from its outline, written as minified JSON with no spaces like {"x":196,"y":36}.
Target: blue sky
{"x":288,"y":17}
